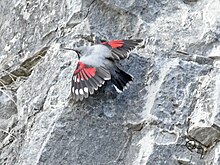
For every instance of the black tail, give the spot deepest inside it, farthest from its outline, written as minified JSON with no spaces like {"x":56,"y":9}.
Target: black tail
{"x":120,"y":79}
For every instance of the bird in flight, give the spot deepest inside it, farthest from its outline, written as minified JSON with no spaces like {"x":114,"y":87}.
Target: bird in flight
{"x":97,"y":64}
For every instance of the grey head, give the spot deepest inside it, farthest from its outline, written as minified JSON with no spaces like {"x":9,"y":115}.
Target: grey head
{"x":81,"y":51}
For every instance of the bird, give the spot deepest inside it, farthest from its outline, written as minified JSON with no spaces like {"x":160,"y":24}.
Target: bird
{"x":98,"y":64}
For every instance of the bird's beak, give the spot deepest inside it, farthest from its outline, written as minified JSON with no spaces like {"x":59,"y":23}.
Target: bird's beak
{"x":69,"y":49}
{"x":72,"y":50}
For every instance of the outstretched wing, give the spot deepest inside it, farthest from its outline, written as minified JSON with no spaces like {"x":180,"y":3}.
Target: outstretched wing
{"x":86,"y":79}
{"x":120,"y":48}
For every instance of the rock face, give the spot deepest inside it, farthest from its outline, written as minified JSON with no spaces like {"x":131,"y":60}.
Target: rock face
{"x":170,"y":114}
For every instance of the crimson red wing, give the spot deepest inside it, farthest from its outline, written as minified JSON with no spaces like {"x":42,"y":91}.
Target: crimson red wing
{"x":120,"y":48}
{"x":86,"y":79}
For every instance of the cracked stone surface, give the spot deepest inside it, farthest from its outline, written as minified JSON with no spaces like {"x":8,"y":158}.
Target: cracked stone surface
{"x":170,"y":114}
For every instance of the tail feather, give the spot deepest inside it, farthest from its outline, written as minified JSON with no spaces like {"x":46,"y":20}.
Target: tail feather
{"x":120,"y":79}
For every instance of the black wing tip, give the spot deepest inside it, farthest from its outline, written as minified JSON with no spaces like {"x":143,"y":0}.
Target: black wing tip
{"x":138,"y":40}
{"x":121,"y":80}
{"x":134,"y":41}
{"x":120,"y":89}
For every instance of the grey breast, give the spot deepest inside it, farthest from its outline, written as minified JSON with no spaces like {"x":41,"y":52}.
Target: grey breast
{"x":96,"y":56}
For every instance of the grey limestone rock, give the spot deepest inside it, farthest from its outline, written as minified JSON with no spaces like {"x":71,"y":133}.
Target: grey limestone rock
{"x":169,"y":115}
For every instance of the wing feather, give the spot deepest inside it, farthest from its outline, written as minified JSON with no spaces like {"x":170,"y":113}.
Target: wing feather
{"x":121,"y":48}
{"x":86,"y":79}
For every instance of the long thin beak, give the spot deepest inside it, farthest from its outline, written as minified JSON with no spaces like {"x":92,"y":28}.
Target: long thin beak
{"x":78,"y":55}
{"x":69,"y":49}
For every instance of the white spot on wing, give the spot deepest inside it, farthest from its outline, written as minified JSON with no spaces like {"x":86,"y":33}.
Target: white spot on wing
{"x":73,"y":89}
{"x":86,"y":89}
{"x":118,"y":90}
{"x":107,"y":78}
{"x":76,"y":92}
{"x":81,"y":91}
